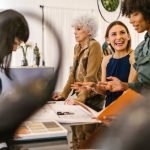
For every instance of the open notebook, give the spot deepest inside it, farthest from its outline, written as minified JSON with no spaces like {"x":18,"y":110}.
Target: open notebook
{"x":86,"y":114}
{"x":63,"y":113}
{"x":30,"y":130}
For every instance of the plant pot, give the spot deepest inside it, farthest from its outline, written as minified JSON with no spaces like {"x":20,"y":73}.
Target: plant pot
{"x":37,"y":61}
{"x":24,"y":62}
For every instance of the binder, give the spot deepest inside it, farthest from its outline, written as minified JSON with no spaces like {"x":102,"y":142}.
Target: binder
{"x":126,"y":99}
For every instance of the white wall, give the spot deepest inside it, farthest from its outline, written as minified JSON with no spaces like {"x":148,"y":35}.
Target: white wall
{"x":61,"y":13}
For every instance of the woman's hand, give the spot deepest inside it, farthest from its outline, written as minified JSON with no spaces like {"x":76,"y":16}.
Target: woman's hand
{"x":107,"y":120}
{"x":89,"y":86}
{"x":70,"y":101}
{"x":99,"y":88}
{"x":78,"y":87}
{"x":114,"y":84}
{"x":56,"y":97}
{"x":82,"y":86}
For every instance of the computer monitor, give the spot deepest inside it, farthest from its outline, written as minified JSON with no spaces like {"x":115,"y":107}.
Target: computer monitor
{"x":22,"y":75}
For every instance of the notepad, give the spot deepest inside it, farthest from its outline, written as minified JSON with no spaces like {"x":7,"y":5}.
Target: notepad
{"x":30,"y":130}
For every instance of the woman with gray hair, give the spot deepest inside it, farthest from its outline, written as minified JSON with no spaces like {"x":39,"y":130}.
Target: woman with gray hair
{"x":86,"y":65}
{"x":88,"y":23}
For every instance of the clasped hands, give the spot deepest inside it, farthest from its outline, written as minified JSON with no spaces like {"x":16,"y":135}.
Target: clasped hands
{"x":113,"y":84}
{"x":88,"y":86}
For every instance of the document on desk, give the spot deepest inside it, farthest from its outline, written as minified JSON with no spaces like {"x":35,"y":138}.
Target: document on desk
{"x":72,"y":113}
{"x":64,"y":113}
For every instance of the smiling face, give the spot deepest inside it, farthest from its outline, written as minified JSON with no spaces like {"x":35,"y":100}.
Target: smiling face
{"x":118,"y":37}
{"x":81,"y":35}
{"x":138,"y":22}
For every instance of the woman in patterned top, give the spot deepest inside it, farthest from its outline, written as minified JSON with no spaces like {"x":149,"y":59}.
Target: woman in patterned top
{"x":139,"y":14}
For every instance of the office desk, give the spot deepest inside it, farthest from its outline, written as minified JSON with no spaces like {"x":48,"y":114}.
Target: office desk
{"x":59,"y":144}
{"x":73,"y":141}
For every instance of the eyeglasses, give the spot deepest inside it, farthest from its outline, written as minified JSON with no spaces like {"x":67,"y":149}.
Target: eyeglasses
{"x":64,"y":113}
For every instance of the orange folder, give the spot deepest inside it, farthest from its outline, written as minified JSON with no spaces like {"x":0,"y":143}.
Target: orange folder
{"x":127,"y":98}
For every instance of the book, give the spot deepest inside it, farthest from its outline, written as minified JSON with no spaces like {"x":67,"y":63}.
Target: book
{"x":30,"y":130}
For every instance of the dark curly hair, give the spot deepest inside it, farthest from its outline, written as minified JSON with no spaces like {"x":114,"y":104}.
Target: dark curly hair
{"x":130,"y":6}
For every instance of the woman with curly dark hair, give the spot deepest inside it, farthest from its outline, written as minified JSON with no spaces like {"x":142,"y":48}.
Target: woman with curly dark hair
{"x":139,"y":14}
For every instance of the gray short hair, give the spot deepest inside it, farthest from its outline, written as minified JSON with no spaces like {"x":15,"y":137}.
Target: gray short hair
{"x":89,"y":23}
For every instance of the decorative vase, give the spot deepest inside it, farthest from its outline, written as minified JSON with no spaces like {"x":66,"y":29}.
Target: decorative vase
{"x":24,"y":47}
{"x":24,"y":62}
{"x":37,"y":60}
{"x":36,"y":55}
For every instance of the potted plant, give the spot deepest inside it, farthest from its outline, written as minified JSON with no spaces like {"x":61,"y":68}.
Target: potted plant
{"x":24,"y":47}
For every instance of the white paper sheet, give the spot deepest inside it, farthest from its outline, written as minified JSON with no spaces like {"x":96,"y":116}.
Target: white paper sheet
{"x":68,"y":113}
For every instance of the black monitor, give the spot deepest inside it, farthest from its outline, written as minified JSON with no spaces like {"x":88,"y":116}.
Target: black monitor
{"x":21,"y":75}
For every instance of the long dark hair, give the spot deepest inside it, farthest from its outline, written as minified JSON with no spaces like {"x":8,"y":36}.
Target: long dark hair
{"x":12,"y":25}
{"x":118,"y":23}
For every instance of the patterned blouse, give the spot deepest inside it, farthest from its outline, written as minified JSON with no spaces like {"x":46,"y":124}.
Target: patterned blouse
{"x":142,"y":64}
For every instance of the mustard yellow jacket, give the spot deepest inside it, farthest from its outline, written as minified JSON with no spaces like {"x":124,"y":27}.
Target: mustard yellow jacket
{"x":86,"y":68}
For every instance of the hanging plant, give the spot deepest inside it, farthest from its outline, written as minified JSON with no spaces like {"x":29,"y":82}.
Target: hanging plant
{"x":110,"y":5}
